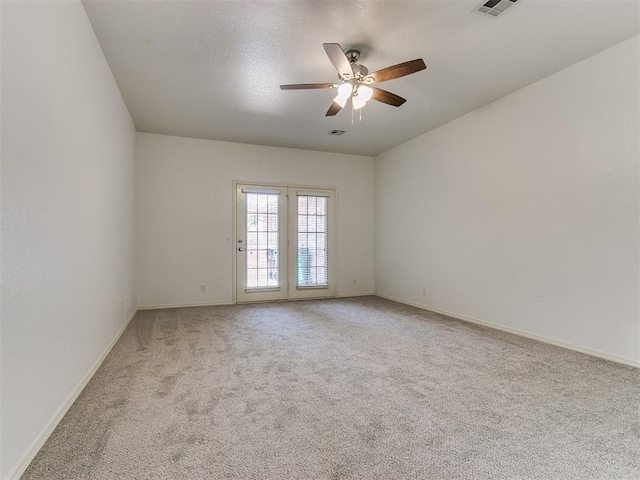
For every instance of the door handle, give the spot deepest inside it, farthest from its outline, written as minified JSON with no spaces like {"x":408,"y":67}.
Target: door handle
{"x":240,"y":249}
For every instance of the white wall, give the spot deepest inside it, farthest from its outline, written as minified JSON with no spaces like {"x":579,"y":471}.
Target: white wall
{"x":184,"y":193}
{"x":68,"y":215}
{"x":525,"y":212}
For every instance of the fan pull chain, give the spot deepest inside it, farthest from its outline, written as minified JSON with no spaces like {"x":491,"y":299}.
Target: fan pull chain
{"x":352,"y":111}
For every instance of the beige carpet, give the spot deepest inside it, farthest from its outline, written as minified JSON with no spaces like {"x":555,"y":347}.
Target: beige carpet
{"x":351,"y":388}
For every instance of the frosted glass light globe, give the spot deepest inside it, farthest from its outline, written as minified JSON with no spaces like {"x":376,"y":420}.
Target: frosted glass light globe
{"x":344,"y":90}
{"x":365,"y":93}
{"x":358,"y":102}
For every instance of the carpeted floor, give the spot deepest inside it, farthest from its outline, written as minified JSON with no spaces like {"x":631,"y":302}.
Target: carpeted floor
{"x":350,"y":388}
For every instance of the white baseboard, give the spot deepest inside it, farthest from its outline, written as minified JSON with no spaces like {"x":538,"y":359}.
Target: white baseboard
{"x":33,"y":449}
{"x":215,"y":304}
{"x":522,"y":333}
{"x":183,"y":305}
{"x":347,"y":295}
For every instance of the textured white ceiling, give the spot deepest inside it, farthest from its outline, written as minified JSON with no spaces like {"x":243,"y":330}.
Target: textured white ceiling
{"x":212,"y":69}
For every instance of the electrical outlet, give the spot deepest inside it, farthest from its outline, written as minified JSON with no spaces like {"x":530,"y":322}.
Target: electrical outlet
{"x":424,"y":291}
{"x":203,"y":288}
{"x":355,"y":282}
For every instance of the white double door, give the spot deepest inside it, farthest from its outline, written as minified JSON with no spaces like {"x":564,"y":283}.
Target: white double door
{"x":285,"y":245}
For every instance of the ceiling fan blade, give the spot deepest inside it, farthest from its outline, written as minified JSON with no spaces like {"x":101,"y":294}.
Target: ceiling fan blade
{"x":396,"y":71}
{"x":306,"y":86}
{"x":387,"y":97}
{"x":333,"y":109}
{"x":339,"y":59}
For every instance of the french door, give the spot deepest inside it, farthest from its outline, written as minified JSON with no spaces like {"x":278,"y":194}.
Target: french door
{"x":285,"y":243}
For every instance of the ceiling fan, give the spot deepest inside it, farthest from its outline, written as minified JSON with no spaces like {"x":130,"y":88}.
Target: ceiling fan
{"x":355,"y":80}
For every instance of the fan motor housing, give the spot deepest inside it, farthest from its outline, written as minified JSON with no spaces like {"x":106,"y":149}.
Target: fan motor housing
{"x":359,"y":70}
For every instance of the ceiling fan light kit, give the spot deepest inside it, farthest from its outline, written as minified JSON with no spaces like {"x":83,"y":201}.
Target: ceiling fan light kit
{"x":355,"y":80}
{"x":365,"y":93}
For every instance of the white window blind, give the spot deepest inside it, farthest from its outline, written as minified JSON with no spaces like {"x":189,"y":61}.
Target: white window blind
{"x":312,"y":241}
{"x":262,"y":256}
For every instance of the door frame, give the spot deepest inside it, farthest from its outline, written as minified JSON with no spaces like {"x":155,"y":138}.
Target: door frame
{"x":333,"y":259}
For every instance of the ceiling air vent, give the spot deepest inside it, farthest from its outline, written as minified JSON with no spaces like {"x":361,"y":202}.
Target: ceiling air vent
{"x":337,"y":133}
{"x":495,"y":8}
